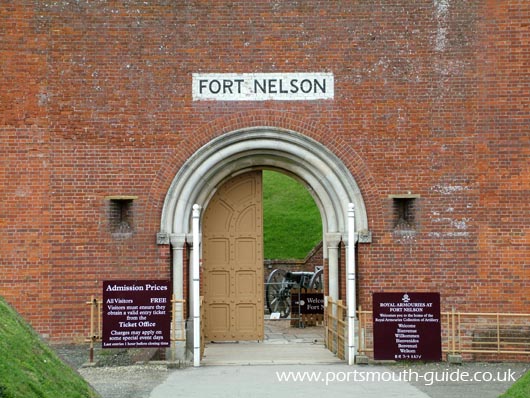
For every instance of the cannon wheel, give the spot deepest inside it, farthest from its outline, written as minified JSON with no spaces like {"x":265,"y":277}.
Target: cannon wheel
{"x":317,"y":280}
{"x":278,"y":293}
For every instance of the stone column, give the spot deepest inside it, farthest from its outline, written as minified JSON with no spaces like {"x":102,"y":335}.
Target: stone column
{"x":333,"y":240}
{"x":177,"y":244}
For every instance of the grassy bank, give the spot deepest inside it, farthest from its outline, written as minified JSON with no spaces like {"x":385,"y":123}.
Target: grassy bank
{"x":29,"y":368}
{"x":291,"y":219}
{"x":520,"y":389}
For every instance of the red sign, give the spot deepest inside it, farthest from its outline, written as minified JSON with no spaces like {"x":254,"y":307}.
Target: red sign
{"x":407,"y":326}
{"x":136,"y":314}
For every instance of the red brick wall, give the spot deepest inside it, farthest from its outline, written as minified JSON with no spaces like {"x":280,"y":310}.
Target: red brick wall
{"x":96,"y":101}
{"x":315,"y":258}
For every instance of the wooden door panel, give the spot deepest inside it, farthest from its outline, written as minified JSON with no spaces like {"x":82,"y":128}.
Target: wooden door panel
{"x":220,"y":218}
{"x":241,"y":191}
{"x":233,"y":261}
{"x":219,"y":285}
{"x":245,"y":285}
{"x":246,"y":222}
{"x":218,"y":251}
{"x":218,"y":320}
{"x":245,"y":252}
{"x":246,"y":318}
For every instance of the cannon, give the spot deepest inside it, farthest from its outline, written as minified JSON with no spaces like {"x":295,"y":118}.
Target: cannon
{"x":279,"y":285}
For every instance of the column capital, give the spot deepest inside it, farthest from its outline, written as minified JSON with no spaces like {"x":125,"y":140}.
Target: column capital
{"x":333,"y":239}
{"x":346,"y":240}
{"x":177,"y":241}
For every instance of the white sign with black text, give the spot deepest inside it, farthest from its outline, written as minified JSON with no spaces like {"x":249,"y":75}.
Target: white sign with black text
{"x":262,"y":86}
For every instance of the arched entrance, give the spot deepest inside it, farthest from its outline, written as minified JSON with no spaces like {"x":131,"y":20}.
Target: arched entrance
{"x":321,"y":171}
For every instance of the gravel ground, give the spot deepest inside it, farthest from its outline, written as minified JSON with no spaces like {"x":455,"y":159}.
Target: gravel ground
{"x":116,"y":373}
{"x":135,"y":381}
{"x":120,"y":374}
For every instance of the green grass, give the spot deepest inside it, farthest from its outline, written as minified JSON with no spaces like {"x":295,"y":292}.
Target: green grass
{"x":291,"y":219}
{"x":520,"y":389}
{"x":29,"y":368}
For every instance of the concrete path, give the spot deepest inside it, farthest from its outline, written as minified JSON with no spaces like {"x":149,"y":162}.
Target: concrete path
{"x":329,"y":380}
{"x":307,"y":369}
{"x":251,"y":353}
{"x":291,"y":363}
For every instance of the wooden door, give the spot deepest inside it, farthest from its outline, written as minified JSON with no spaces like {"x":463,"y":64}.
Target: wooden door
{"x":233,"y":261}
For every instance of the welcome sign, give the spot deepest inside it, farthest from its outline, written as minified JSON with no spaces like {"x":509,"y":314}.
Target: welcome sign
{"x":262,"y":86}
{"x":407,"y":326}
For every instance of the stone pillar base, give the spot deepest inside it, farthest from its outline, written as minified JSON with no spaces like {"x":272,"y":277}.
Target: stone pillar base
{"x":362,"y":360}
{"x":455,"y":359}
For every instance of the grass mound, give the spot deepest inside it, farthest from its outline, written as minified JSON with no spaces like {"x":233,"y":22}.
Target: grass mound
{"x":29,"y":368}
{"x":292,"y":225}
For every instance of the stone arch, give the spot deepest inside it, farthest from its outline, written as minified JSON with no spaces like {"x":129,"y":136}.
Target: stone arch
{"x":324,"y":174}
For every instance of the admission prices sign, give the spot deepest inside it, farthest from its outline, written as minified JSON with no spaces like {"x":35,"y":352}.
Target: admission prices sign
{"x":407,"y":326}
{"x":136,"y":314}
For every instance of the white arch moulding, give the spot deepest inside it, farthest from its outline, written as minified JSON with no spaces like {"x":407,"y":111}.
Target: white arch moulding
{"x":326,"y":177}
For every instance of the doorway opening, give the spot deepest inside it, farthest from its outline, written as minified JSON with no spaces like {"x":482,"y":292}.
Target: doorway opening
{"x":262,"y":247}
{"x":293,"y":264}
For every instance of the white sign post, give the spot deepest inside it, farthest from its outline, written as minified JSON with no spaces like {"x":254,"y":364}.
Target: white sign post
{"x":350,"y":285}
{"x":196,"y":287}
